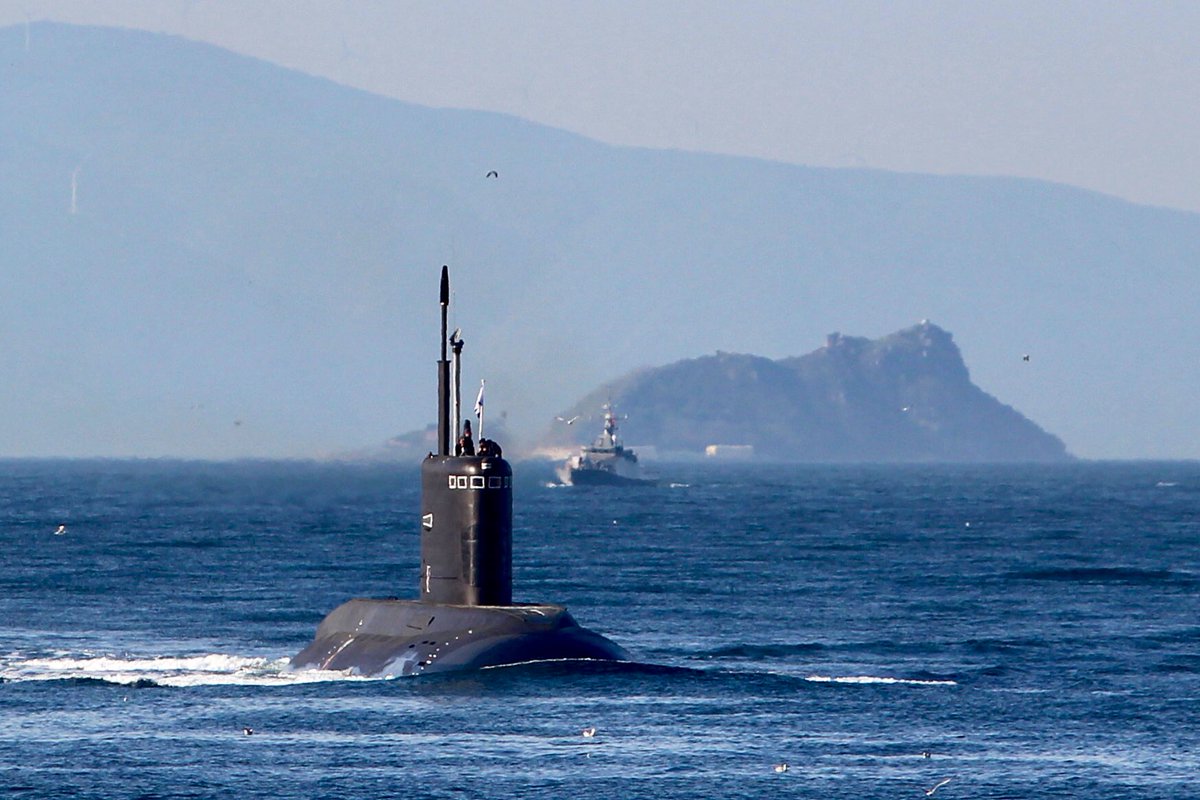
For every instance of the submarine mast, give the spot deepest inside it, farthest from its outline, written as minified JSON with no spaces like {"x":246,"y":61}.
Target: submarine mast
{"x":444,"y":373}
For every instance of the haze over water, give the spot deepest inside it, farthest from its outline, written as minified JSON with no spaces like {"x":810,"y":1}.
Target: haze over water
{"x":211,"y":256}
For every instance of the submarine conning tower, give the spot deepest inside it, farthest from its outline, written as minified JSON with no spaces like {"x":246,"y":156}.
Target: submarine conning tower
{"x":465,"y":617}
{"x":466,"y":504}
{"x":466,"y":530}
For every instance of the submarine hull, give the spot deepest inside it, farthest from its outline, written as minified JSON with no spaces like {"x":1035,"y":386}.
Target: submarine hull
{"x":395,"y":638}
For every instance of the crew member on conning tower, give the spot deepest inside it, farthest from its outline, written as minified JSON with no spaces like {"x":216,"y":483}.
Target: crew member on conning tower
{"x":466,"y":447}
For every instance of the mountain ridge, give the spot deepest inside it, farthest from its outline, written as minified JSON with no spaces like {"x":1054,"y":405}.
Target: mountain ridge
{"x":216,"y":239}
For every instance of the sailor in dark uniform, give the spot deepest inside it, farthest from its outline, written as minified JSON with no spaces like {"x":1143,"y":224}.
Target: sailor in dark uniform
{"x":466,"y":446}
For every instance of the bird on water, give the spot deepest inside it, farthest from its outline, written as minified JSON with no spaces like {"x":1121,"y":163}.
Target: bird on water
{"x":929,"y":792}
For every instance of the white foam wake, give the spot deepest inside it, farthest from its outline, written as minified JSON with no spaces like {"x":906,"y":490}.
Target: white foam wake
{"x":207,"y":669}
{"x":876,"y":679}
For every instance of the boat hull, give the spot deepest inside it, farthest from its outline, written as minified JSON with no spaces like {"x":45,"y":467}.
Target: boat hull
{"x":600,"y":477}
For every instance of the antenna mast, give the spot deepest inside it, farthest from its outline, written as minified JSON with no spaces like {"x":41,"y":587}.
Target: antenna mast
{"x":444,"y":373}
{"x":456,"y":345}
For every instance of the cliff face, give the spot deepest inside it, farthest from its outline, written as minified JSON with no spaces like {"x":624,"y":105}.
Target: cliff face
{"x":905,"y":397}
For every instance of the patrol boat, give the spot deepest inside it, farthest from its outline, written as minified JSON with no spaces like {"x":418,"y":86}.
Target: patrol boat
{"x":604,"y":462}
{"x":464,"y":618}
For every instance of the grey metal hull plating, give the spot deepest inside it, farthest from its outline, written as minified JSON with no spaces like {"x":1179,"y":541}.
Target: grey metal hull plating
{"x":393,"y":638}
{"x":603,"y":477}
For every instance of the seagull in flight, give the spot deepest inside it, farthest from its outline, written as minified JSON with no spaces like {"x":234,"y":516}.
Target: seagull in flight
{"x":936,"y":786}
{"x":570,"y":421}
{"x":61,"y":530}
{"x":1025,"y":357}
{"x":588,"y":733}
{"x":492,"y":174}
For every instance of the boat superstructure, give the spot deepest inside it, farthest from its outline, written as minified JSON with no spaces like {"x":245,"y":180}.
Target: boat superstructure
{"x":606,"y":461}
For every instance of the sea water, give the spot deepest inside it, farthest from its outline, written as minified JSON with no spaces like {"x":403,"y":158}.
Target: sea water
{"x":1023,"y":631}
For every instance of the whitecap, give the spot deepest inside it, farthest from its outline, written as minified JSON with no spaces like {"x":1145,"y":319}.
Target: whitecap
{"x":861,"y":679}
{"x":203,"y":669}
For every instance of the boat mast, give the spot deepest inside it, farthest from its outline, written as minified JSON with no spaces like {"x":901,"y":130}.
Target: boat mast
{"x":456,"y":345}
{"x":444,"y":373}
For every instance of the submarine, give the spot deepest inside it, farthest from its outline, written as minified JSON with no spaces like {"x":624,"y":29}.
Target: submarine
{"x":464,"y":617}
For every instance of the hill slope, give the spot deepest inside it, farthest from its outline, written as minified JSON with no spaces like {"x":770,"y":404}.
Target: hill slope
{"x":905,"y":397}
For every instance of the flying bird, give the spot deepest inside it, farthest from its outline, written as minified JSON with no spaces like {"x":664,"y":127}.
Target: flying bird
{"x":1025,"y":357}
{"x":61,"y":530}
{"x":493,"y":174}
{"x":248,"y":730}
{"x":588,"y":733}
{"x":936,"y":786}
{"x":570,"y":421}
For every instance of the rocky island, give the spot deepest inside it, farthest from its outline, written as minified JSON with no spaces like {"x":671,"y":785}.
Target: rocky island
{"x":907,"y":397}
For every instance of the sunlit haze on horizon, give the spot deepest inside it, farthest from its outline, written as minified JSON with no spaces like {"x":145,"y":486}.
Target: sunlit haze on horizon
{"x":1094,"y":94}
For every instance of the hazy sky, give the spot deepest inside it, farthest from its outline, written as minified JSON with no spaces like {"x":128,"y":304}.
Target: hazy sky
{"x":1096,"y":94}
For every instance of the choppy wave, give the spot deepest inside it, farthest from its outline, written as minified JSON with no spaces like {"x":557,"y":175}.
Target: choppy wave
{"x":991,"y":646}
{"x":1179,"y":663}
{"x":762,"y":651}
{"x":757,"y":652}
{"x":868,"y":679}
{"x":806,"y":674}
{"x":585,"y":666}
{"x":217,"y":669}
{"x":209,"y":669}
{"x":1104,"y":574}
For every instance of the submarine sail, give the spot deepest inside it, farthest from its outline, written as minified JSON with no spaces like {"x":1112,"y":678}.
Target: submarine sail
{"x":464,"y":617}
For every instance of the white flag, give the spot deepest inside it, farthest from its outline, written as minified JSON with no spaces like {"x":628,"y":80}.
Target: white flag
{"x":479,"y":401}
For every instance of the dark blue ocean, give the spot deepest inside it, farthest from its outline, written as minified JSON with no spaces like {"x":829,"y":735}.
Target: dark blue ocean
{"x":1035,"y":629}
